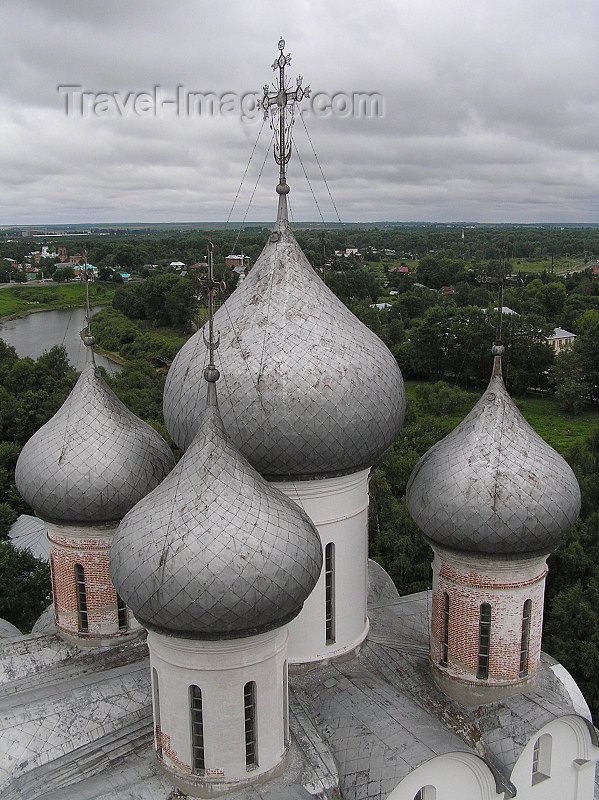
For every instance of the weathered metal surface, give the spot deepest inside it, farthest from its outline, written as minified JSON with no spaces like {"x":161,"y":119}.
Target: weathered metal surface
{"x":493,"y":485}
{"x":307,"y":389}
{"x":94,"y":459}
{"x":215,"y":551}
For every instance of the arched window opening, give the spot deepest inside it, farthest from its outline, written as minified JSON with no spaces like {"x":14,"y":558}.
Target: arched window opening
{"x":157,"y":731}
{"x":329,"y":592}
{"x":286,"y":703}
{"x":198,"y":764}
{"x":445,"y":637}
{"x":81,"y":599}
{"x":251,"y":744}
{"x":54,"y":592}
{"x":525,"y":638}
{"x":122,"y":613}
{"x":541,"y":759}
{"x":484,"y":641}
{"x":426,"y":793}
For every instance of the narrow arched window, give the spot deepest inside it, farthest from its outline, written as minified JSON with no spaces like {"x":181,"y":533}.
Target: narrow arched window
{"x":329,"y":592}
{"x":122,"y":613}
{"x":525,"y":638}
{"x":445,"y":636}
{"x":251,"y":743}
{"x":426,"y":793}
{"x":53,"y":576}
{"x":157,"y":731}
{"x":81,"y":599}
{"x":286,"y":703}
{"x":197,"y":731}
{"x":484,"y":641}
{"x":541,"y":758}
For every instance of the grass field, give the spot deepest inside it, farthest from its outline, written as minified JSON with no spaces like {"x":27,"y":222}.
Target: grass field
{"x":543,"y":414}
{"x":25,"y":299}
{"x":561,"y":265}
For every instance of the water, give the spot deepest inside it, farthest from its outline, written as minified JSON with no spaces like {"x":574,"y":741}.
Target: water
{"x":34,"y":334}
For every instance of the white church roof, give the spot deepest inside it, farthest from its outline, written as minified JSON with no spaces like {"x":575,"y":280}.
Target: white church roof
{"x":78,"y":724}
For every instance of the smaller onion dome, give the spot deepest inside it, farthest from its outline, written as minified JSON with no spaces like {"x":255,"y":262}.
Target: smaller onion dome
{"x":493,"y":485}
{"x":94,"y":459}
{"x":215,"y":552}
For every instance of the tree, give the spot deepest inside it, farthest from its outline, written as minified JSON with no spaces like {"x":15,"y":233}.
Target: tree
{"x":355,"y":284}
{"x":63,"y":274}
{"x":25,"y":589}
{"x":567,"y":379}
{"x":440,"y":269}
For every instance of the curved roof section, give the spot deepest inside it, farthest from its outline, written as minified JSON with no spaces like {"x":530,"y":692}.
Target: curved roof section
{"x":309,"y":391}
{"x":94,"y":459}
{"x":8,"y":630}
{"x":493,"y":485}
{"x":215,"y":551}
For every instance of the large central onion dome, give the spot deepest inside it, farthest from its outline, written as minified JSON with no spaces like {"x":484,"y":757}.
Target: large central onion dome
{"x":309,"y":391}
{"x":493,"y":485}
{"x":94,"y":459}
{"x":215,"y":552}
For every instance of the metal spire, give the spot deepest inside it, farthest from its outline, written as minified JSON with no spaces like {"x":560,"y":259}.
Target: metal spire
{"x":211,"y":373}
{"x":501,"y":279}
{"x":88,"y":339}
{"x":281,"y":105}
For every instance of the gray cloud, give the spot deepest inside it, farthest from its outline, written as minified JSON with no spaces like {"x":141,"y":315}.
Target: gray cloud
{"x":491,"y":110}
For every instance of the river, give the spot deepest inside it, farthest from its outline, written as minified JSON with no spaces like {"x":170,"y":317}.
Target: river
{"x":34,"y":334}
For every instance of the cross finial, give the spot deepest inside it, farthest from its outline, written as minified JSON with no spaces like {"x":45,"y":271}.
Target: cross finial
{"x":88,"y":338}
{"x":211,"y":373}
{"x":501,"y":279}
{"x":283,"y":101}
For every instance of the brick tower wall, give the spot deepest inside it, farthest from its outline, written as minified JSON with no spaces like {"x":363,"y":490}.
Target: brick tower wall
{"x":505,"y":584}
{"x":89,"y":547}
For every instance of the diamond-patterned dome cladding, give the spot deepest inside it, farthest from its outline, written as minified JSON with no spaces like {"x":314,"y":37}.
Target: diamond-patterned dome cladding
{"x":93,"y":460}
{"x":215,"y":551}
{"x":307,"y":389}
{"x":493,"y":485}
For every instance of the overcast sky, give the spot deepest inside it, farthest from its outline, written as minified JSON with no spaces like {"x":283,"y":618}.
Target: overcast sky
{"x":486,"y":110}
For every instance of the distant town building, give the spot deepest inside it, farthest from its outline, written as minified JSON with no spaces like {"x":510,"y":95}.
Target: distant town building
{"x":237,"y":262}
{"x":561,"y":339}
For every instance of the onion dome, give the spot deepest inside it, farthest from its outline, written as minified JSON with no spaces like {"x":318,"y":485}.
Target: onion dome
{"x":94,"y":459}
{"x":215,"y":552}
{"x":309,"y":390}
{"x":493,"y":486}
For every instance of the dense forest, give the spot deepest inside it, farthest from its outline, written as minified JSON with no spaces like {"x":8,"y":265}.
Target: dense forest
{"x":438,"y":320}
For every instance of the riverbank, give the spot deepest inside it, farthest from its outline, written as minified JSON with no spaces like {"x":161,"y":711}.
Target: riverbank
{"x":20,"y":301}
{"x":35,"y":333}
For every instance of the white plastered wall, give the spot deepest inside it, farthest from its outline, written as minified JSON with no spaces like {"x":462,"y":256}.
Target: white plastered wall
{"x":339,"y":509}
{"x":453,"y":776}
{"x":221,"y":669}
{"x":571,"y":768}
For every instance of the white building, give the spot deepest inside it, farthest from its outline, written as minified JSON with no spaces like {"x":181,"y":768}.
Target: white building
{"x":561,"y":339}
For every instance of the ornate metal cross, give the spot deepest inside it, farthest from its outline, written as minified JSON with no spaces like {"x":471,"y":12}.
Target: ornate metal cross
{"x":283,"y":98}
{"x":212,"y":286}
{"x":501,"y":279}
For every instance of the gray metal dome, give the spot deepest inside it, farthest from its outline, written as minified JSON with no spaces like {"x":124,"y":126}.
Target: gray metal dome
{"x":94,"y":459}
{"x":215,"y":551}
{"x":309,"y":391}
{"x":493,"y":485}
